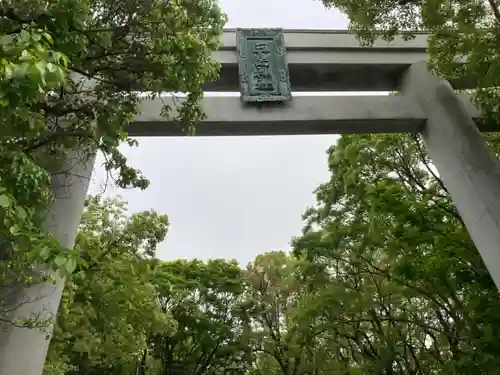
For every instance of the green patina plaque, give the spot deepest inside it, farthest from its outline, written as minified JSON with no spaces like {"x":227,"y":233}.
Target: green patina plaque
{"x":262,"y":65}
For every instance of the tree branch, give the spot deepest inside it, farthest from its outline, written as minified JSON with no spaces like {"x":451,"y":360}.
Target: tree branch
{"x":496,"y":11}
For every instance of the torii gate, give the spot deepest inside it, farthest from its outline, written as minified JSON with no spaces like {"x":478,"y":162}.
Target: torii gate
{"x":334,"y":61}
{"x":317,"y":61}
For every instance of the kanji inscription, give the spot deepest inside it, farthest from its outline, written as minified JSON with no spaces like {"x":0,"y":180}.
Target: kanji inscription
{"x":262,"y":65}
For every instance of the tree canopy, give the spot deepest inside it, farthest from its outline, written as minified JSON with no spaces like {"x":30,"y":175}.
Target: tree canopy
{"x":400,"y":286}
{"x":109,"y":305}
{"x":71,"y":73}
{"x":462,"y":43}
{"x":383,"y":280}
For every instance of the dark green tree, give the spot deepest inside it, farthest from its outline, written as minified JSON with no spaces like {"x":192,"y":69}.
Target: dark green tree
{"x":283,"y":342}
{"x":400,"y":287}
{"x":109,"y":304}
{"x":70,"y":76}
{"x":205,"y":300}
{"x":462,"y":43}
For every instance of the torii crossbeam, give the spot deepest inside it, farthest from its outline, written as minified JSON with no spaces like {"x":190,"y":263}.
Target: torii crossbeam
{"x":334,"y":61}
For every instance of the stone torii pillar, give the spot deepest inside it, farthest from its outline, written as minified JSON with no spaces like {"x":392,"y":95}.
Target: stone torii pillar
{"x":23,"y":350}
{"x":468,"y":168}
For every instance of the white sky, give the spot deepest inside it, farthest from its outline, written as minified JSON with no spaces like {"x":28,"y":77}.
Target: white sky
{"x":234,"y":197}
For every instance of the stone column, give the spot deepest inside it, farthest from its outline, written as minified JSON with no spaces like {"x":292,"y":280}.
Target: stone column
{"x":466,"y":165}
{"x":23,"y":350}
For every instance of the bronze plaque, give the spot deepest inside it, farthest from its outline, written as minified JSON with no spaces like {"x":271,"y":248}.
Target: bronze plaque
{"x":263,"y":70}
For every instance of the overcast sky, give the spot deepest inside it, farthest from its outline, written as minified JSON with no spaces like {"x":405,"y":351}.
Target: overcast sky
{"x":235,"y":197}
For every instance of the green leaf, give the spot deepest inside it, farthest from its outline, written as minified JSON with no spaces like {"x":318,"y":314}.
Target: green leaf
{"x":21,"y":212}
{"x":6,"y":39}
{"x":45,"y":253}
{"x":48,"y":37}
{"x":60,"y":261}
{"x":71,"y":265}
{"x":5,"y":201}
{"x":8,"y":72}
{"x":52,"y":67}
{"x":14,"y":230}
{"x":24,"y":36}
{"x":26,"y":56}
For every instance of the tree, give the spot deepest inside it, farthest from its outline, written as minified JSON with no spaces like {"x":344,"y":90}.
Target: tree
{"x":68,"y":87}
{"x":400,"y":286}
{"x":281,"y":343}
{"x":457,"y":30}
{"x":27,"y":69}
{"x":404,"y":288}
{"x":109,"y":305}
{"x":205,"y":299}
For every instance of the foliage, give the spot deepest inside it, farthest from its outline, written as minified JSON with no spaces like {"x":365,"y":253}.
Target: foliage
{"x":28,"y":68}
{"x":462,"y":44}
{"x":205,"y":300}
{"x":69,"y":75}
{"x":109,"y":306}
{"x":281,"y":343}
{"x":384,"y":280}
{"x":402,"y":288}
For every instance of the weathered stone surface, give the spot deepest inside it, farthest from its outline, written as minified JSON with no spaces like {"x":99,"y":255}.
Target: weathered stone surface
{"x":228,"y":116}
{"x":467,"y":167}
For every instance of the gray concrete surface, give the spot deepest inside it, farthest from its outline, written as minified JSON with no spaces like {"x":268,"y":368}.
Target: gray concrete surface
{"x":23,"y":351}
{"x":228,"y":116}
{"x":332,"y":60}
{"x":466,"y":165}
